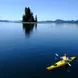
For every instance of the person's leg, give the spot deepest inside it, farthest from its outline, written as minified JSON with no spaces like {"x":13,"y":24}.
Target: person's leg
{"x":63,"y":60}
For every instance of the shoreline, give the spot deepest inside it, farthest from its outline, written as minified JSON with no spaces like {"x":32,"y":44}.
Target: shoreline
{"x":39,"y":22}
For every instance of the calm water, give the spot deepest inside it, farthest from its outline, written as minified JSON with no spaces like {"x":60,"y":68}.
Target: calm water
{"x":26,"y":51}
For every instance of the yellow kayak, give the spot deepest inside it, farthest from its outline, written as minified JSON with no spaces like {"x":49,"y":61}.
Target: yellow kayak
{"x":60,"y":64}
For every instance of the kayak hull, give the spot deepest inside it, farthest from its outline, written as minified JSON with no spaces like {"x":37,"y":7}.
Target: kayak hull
{"x":60,"y":64}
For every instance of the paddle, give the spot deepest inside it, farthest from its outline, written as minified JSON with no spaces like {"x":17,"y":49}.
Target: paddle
{"x":68,"y":63}
{"x":60,"y":58}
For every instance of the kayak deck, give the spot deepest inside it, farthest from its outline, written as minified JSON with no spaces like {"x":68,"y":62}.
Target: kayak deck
{"x":60,"y":64}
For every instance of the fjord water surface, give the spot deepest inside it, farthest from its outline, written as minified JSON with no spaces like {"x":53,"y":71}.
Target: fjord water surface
{"x":26,"y":51}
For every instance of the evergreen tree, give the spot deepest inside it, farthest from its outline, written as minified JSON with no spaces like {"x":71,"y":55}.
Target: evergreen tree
{"x":36,"y":18}
{"x":28,"y":16}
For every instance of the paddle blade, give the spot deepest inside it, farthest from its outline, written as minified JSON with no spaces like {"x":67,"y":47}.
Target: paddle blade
{"x":69,"y":64}
{"x":56,"y":54}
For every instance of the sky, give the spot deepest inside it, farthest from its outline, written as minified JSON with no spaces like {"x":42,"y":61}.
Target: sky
{"x":44,"y":9}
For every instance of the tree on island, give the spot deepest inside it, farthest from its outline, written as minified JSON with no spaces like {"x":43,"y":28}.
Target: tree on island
{"x":28,"y":16}
{"x":36,"y":18}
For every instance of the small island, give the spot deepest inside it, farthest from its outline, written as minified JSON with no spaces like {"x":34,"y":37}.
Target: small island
{"x":29,"y":21}
{"x":28,"y":16}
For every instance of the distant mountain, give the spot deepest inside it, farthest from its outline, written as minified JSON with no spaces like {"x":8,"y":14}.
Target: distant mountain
{"x":10,"y":21}
{"x":61,"y":21}
{"x":17,"y":21}
{"x":4,"y":20}
{"x":47,"y":21}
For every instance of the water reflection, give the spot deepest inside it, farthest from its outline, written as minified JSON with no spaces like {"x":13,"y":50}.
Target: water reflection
{"x":35,"y":26}
{"x":28,"y":28}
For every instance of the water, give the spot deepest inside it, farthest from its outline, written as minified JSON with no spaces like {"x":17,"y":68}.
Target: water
{"x":26,"y":51}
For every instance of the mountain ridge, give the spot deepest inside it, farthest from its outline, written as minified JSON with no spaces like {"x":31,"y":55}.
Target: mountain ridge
{"x":55,"y":21}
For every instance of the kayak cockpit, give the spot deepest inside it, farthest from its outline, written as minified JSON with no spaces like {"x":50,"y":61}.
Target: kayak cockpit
{"x":55,"y":64}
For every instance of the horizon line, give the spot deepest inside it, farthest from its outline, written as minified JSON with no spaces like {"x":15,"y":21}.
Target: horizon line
{"x":39,"y":20}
